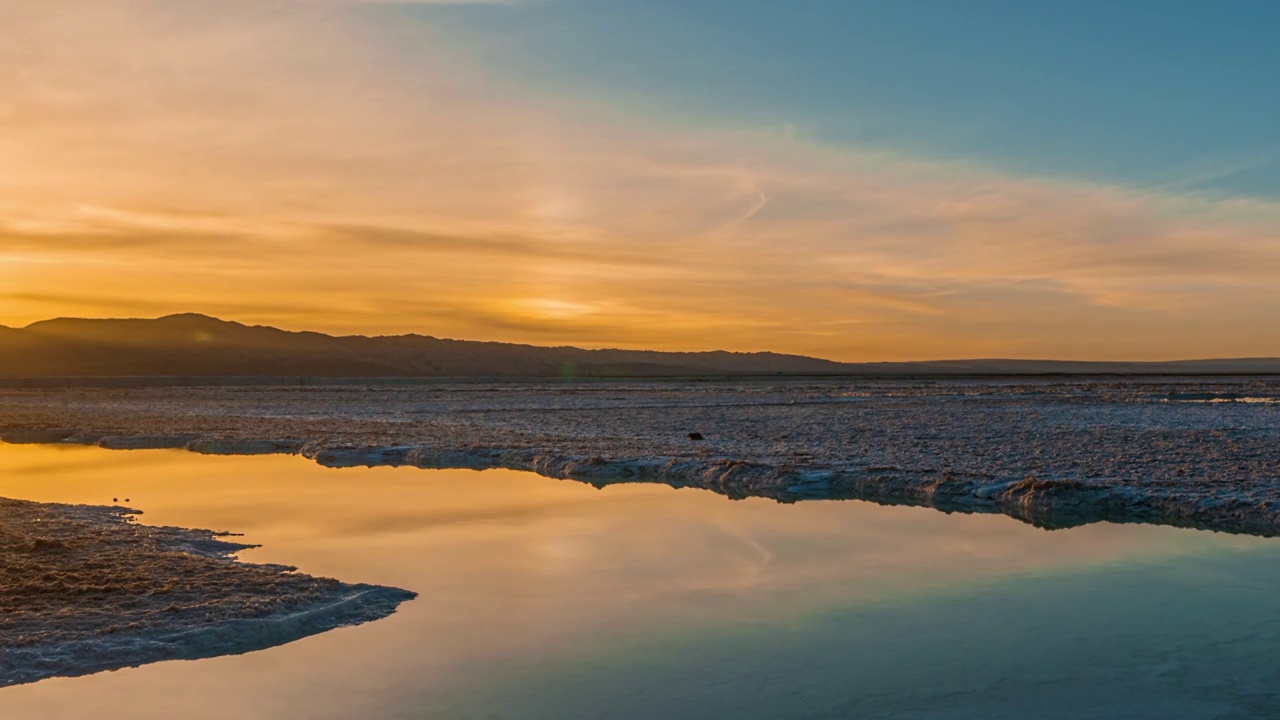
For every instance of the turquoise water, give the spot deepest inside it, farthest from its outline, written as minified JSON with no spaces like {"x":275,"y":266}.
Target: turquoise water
{"x":551,"y":599}
{"x":1149,"y":641}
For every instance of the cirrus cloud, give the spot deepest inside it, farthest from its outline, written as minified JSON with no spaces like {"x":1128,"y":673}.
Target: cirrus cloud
{"x":328,"y":175}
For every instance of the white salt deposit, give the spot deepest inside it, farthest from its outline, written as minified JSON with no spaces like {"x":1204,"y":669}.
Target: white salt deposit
{"x":85,"y":589}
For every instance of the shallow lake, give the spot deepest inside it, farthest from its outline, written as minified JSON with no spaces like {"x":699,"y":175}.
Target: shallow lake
{"x":545,"y":598}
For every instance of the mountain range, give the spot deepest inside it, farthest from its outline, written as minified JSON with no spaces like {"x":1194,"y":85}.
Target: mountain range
{"x":191,"y":345}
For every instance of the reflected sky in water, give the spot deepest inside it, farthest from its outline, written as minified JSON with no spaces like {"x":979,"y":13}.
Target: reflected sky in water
{"x":546,"y":598}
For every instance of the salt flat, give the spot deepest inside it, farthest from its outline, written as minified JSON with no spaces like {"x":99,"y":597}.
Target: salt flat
{"x":84,"y":590}
{"x":1193,"y":451}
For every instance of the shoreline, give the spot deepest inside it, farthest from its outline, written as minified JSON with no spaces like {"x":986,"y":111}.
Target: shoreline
{"x":1045,"y":504}
{"x":1190,"y":453}
{"x":87,"y":589}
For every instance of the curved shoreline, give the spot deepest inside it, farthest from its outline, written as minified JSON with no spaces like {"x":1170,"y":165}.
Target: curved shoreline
{"x":1187,"y":452}
{"x":85,"y":589}
{"x":1045,"y":503}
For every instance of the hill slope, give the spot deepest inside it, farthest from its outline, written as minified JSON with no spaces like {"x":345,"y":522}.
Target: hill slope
{"x":197,"y":345}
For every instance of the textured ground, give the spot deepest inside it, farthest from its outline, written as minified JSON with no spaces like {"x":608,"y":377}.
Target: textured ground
{"x":84,"y":589}
{"x":1201,"y":452}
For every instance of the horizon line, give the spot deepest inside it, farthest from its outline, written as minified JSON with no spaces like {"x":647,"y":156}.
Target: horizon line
{"x":935,"y":361}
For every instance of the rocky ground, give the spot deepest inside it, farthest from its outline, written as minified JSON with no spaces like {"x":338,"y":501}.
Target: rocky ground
{"x":1200,"y":452}
{"x":85,"y":589}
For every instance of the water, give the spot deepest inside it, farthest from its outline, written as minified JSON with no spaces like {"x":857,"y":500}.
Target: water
{"x":552,"y":599}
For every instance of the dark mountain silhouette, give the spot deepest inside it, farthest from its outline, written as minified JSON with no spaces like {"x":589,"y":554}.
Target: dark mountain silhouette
{"x":199,"y":346}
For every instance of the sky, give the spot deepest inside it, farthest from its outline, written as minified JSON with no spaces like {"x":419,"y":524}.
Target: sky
{"x":854,"y":179}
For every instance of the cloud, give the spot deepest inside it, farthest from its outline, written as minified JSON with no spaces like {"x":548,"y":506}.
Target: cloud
{"x":412,"y":2}
{"x":327,"y":171}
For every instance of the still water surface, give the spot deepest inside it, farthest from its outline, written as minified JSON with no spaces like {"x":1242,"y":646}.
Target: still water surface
{"x":549,"y":599}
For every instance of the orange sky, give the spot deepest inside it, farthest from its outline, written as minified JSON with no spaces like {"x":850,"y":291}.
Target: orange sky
{"x":283,"y":163}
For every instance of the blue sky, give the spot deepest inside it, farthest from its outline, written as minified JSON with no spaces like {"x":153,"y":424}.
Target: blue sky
{"x":1171,"y":95}
{"x":856,"y":180}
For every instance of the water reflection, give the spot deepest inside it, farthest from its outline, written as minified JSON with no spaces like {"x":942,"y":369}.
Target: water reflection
{"x":546,"y":598}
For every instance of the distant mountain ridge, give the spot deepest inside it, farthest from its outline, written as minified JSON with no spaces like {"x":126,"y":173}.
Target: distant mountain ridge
{"x":191,"y":345}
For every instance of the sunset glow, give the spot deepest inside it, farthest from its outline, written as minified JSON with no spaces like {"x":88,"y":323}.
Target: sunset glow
{"x":374,"y":168}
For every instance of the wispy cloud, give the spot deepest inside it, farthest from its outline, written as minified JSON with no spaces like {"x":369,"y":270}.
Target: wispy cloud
{"x":176,"y":155}
{"x":416,"y":2}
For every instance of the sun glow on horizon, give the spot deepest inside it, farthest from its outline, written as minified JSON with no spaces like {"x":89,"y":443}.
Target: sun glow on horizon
{"x":316,"y":166}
